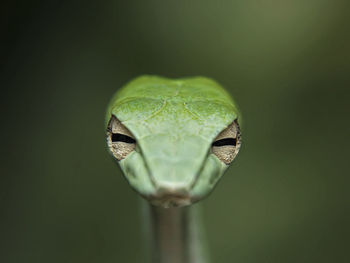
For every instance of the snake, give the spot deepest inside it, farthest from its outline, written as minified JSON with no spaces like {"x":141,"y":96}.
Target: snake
{"x":173,"y":140}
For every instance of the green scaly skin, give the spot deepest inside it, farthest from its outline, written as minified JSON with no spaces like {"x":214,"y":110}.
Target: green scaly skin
{"x":174,"y":123}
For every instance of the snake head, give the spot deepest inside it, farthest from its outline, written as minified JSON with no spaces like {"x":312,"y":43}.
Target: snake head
{"x":173,"y":139}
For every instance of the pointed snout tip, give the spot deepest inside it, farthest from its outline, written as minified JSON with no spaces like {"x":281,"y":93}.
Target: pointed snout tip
{"x":171,"y":195}
{"x":172,"y":188}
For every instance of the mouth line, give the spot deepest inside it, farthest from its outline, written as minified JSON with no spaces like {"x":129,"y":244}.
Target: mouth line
{"x":170,"y":199}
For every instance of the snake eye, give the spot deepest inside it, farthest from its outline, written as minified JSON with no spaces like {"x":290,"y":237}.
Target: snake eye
{"x":119,"y":139}
{"x":225,"y":142}
{"x":226,"y":145}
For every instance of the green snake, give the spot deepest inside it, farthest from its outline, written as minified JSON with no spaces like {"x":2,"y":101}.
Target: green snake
{"x":173,"y":139}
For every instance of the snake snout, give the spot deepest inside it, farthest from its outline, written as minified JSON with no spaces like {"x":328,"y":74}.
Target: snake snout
{"x":171,"y":196}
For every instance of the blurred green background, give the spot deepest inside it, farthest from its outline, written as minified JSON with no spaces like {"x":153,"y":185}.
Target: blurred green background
{"x":287,"y":63}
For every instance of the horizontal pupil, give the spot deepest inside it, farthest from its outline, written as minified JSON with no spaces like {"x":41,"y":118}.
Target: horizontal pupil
{"x":227,"y":141}
{"x":117,"y":137}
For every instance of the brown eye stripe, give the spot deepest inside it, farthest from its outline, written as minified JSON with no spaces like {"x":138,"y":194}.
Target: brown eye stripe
{"x":224,"y":142}
{"x":118,"y":137}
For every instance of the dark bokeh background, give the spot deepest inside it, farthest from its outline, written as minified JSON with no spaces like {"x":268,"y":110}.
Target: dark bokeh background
{"x":287,"y":63}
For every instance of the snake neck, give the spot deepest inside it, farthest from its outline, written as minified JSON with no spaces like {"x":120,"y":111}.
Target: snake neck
{"x":175,"y":235}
